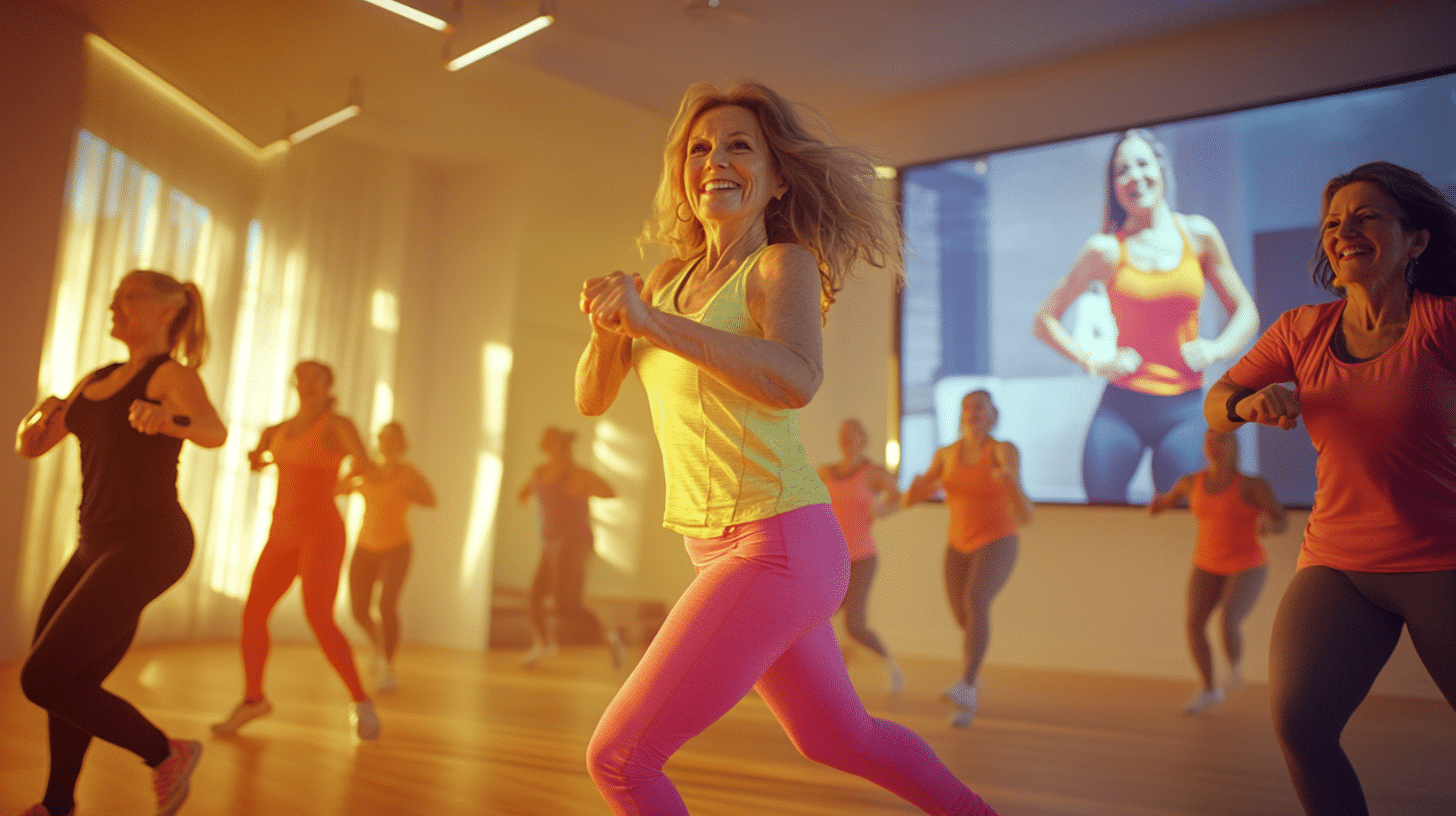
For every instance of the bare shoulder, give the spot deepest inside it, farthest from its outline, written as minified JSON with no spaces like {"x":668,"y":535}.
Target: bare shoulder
{"x":1200,"y":230}
{"x":1104,"y":249}
{"x":782,"y":259}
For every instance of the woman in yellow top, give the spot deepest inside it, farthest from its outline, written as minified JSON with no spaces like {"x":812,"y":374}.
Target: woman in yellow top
{"x":763,"y":219}
{"x":1153,"y":263}
{"x":382,"y":553}
{"x":981,"y":477}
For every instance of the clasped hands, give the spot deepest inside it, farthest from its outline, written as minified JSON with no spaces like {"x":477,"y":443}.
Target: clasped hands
{"x":614,"y":304}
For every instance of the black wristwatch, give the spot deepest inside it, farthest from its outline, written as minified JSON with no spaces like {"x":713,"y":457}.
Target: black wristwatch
{"x":1233,"y":401}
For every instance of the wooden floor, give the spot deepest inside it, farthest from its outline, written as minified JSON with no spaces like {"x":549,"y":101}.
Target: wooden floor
{"x":471,"y":733}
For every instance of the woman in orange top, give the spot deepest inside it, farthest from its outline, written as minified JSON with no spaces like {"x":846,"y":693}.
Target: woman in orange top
{"x":981,"y":477}
{"x":1228,"y":563}
{"x":305,"y":541}
{"x":1153,"y":263}
{"x":382,"y":553}
{"x":861,"y":491}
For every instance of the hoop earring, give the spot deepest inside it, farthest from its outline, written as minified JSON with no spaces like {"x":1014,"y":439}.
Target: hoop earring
{"x":678,"y":212}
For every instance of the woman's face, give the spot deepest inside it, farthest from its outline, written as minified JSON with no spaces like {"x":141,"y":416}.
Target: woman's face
{"x":852,"y":438}
{"x":1137,"y":180}
{"x":139,"y":312}
{"x":1363,"y":238}
{"x":728,"y":174}
{"x":1219,"y":448}
{"x":312,"y":382}
{"x":978,"y":415}
{"x":391,"y":441}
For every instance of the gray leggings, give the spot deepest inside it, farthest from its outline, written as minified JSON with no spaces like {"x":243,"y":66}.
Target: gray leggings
{"x":1332,"y":635}
{"x":971,"y":583}
{"x":857,"y":601}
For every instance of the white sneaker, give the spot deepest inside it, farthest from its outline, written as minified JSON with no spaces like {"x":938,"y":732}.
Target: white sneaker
{"x":242,"y":715}
{"x":538,"y":653}
{"x":1204,"y":699}
{"x":386,"y":679}
{"x":894,"y":678}
{"x":365,"y":720}
{"x":963,"y":696}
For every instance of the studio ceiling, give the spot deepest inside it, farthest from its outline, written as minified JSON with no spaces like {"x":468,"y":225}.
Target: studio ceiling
{"x":269,"y":66}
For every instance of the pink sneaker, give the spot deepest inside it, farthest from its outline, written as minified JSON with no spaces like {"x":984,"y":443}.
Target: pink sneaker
{"x":171,"y":777}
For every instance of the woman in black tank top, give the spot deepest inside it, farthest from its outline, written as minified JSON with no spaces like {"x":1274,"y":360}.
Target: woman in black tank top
{"x":130,"y":419}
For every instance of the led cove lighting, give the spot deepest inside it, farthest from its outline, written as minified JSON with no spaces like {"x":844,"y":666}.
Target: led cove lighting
{"x":428,"y":20}
{"x":324,"y":124}
{"x":508,"y":38}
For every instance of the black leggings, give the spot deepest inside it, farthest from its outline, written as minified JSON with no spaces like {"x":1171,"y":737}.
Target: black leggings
{"x":857,"y":601}
{"x":86,"y":625}
{"x":972,"y":581}
{"x":1333,"y":633}
{"x":1128,"y":421}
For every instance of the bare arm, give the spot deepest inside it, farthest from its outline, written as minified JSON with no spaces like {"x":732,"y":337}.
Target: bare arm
{"x":178,"y":394}
{"x":1271,"y":405}
{"x":258,"y":457}
{"x":341,"y":430}
{"x":1179,"y":492}
{"x":1095,"y":262}
{"x":884,"y":486}
{"x":1008,"y":472}
{"x":927,"y":484}
{"x":418,"y":488}
{"x":782,"y":369}
{"x":608,"y":355}
{"x":45,"y":426}
{"x":1259,"y":494}
{"x":587,"y":483}
{"x":1219,"y":271}
{"x":524,"y":495}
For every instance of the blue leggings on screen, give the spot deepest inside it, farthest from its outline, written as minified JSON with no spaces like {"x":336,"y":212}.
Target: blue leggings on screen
{"x":1127,"y":422}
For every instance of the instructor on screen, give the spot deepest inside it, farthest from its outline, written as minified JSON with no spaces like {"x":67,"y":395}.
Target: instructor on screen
{"x":1153,"y":263}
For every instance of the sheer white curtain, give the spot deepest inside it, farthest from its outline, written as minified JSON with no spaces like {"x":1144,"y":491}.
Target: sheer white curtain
{"x":298,"y":256}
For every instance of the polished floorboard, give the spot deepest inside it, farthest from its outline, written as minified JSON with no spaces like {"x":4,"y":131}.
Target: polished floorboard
{"x":473,"y":733}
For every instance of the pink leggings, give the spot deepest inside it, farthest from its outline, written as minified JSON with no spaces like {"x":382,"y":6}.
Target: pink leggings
{"x":757,"y":616}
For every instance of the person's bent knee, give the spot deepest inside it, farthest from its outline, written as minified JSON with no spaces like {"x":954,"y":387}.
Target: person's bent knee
{"x":42,"y":686}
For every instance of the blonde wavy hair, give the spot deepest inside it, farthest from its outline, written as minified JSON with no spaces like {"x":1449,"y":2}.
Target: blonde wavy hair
{"x":830,"y":206}
{"x":187,"y":335}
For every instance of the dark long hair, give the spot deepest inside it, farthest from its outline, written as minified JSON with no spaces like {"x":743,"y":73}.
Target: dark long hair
{"x":1422,"y":207}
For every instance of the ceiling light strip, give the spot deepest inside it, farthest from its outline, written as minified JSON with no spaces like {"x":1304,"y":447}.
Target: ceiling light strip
{"x":412,"y":13}
{"x":206,"y":117}
{"x":335,"y":118}
{"x":508,"y":38}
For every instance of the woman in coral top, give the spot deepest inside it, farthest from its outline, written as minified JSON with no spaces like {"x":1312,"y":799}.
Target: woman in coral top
{"x":1375,"y":383}
{"x":1228,"y":562}
{"x":305,"y":542}
{"x":861,"y":491}
{"x":981,"y":477}
{"x":1154,"y":264}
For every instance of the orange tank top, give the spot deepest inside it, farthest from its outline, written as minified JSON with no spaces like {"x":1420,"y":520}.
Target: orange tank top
{"x":979,"y":503}
{"x":854,"y":507}
{"x":308,"y":471}
{"x":386,"y":513}
{"x":1228,"y":528}
{"x":1156,"y":313}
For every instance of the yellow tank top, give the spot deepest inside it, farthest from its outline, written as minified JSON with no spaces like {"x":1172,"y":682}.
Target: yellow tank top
{"x":727,"y":459}
{"x":1156,"y":313}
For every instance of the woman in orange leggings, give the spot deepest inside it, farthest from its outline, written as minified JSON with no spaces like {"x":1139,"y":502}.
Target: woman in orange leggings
{"x":305,"y":541}
{"x":1228,"y":562}
{"x":981,"y":477}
